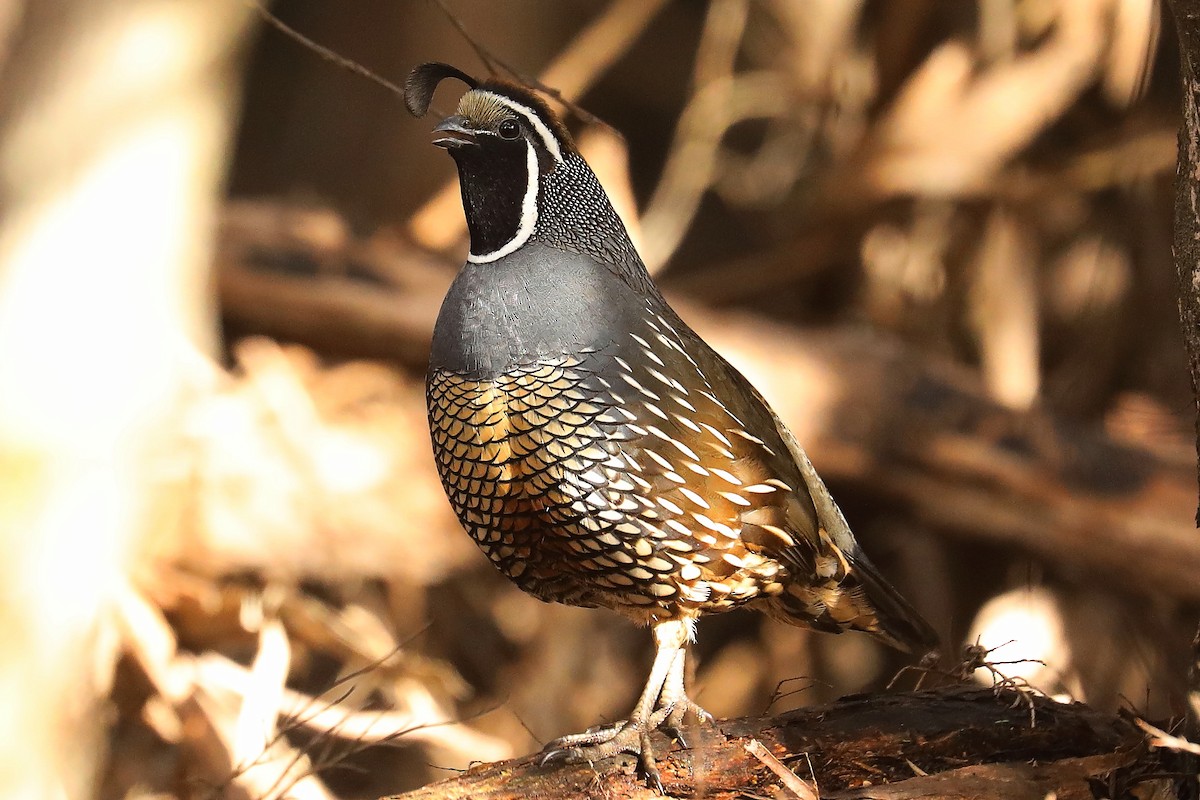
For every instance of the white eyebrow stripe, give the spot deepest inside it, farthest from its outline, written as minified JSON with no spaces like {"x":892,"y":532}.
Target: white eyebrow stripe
{"x":529,"y":213}
{"x":535,"y":122}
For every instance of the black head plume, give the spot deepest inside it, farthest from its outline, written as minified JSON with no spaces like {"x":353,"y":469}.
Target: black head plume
{"x":424,"y":79}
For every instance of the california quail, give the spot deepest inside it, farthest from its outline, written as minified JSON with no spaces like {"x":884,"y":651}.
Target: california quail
{"x":596,"y":449}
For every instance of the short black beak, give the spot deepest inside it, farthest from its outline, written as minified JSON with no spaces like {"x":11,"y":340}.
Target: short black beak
{"x":454,"y":132}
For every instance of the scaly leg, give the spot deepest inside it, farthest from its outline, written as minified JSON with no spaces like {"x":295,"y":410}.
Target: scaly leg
{"x":674,"y":696}
{"x":633,"y":736}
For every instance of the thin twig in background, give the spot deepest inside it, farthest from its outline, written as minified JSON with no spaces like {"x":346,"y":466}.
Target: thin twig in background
{"x":324,"y":52}
{"x":691,"y":165}
{"x":495,"y":65}
{"x":720,"y":41}
{"x":266,"y":764}
{"x":424,"y":720}
{"x":1003,"y":309}
{"x":691,"y":161}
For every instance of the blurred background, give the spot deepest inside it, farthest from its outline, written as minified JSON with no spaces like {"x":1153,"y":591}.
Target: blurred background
{"x":935,"y":233}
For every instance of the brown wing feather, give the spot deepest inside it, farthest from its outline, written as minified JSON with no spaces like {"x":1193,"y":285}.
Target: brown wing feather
{"x":842,"y":588}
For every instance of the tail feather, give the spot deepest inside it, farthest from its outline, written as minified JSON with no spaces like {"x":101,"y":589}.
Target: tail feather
{"x":873,"y":605}
{"x":863,"y":601}
{"x":896,"y":622}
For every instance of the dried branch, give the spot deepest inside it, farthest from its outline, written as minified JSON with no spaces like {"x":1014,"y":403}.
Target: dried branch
{"x":1187,"y":259}
{"x":790,"y":780}
{"x":942,"y":135}
{"x":877,"y":746}
{"x":238,"y":708}
{"x":424,"y":721}
{"x":1157,"y":737}
{"x":1187,"y":197}
{"x":1004,"y":310}
{"x":691,"y":161}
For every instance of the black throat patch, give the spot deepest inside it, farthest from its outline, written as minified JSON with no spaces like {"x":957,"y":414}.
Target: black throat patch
{"x":494,"y":179}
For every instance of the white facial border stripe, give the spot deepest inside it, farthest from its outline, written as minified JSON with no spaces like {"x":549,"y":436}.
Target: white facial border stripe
{"x":535,"y":122}
{"x":529,"y":213}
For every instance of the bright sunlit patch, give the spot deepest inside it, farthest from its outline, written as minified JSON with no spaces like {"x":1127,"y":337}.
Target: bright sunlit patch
{"x":101,"y":356}
{"x":150,"y":44}
{"x":1023,"y":629}
{"x":108,"y":164}
{"x":347,"y":463}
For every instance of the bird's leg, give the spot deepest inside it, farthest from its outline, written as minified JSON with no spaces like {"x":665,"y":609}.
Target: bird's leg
{"x":632,"y":736}
{"x":674,"y":696}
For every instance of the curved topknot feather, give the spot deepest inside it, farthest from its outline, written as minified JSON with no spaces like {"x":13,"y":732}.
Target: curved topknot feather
{"x":424,"y":79}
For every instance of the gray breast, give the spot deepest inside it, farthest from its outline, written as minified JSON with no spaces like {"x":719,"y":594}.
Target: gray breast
{"x":534,"y":303}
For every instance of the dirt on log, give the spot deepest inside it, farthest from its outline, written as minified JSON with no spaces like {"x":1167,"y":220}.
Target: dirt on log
{"x":949,"y":743}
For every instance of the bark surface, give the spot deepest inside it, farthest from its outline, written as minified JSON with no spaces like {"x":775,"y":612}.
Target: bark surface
{"x":950,"y":743}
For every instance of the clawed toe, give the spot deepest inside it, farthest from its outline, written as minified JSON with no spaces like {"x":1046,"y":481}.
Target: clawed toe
{"x":623,"y":737}
{"x":663,"y":704}
{"x":549,"y":756}
{"x":676,"y":723}
{"x":576,"y":741}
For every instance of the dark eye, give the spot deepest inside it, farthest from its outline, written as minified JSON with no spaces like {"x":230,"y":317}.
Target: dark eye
{"x":508,"y":129}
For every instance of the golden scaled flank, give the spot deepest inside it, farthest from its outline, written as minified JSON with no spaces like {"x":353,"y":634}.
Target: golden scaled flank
{"x":551,"y":473}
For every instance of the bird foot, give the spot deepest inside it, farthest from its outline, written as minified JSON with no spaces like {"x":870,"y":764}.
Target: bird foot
{"x":676,"y":723}
{"x":632,"y":736}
